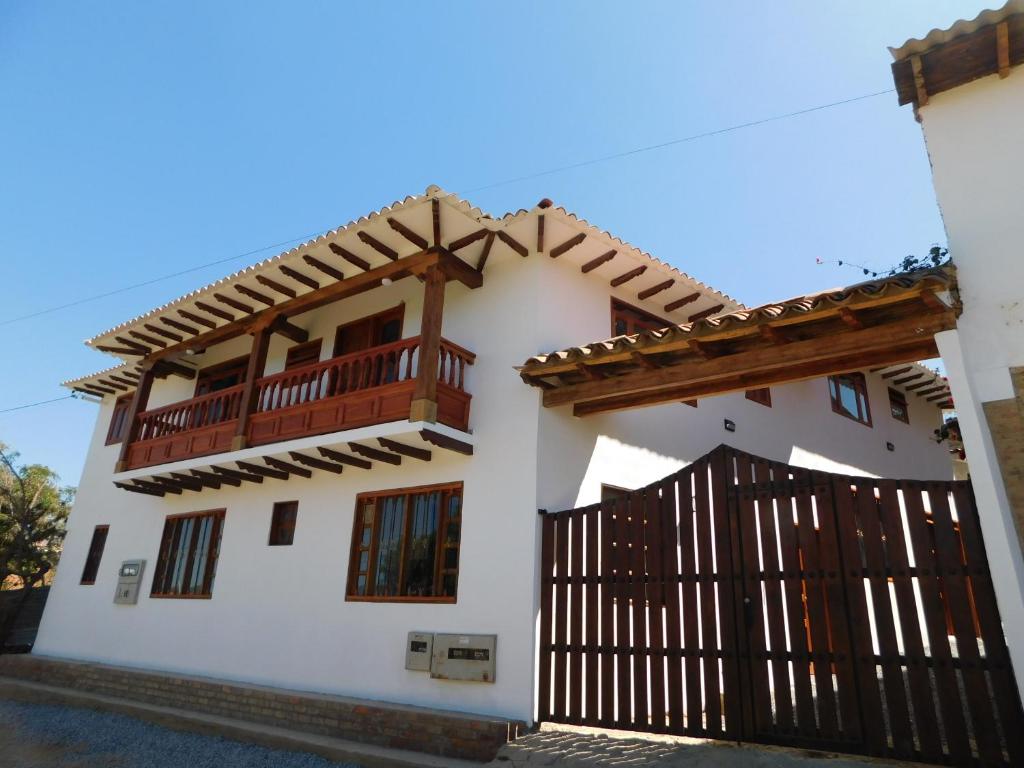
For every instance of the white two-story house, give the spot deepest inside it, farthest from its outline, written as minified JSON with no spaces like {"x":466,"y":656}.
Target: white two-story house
{"x":329,"y":449}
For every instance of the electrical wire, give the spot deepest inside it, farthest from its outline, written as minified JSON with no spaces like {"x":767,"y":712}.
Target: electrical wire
{"x":41,"y":402}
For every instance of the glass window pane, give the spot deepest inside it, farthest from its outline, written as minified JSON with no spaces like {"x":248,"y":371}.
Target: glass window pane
{"x":422,"y":544}
{"x":389,"y":550}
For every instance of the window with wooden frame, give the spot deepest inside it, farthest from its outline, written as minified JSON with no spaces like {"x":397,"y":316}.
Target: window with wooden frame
{"x":371,"y":331}
{"x":220,"y":376}
{"x":119,"y":419}
{"x":849,"y":393}
{"x":405,"y":545}
{"x":92,"y":559}
{"x":898,"y":406}
{"x":307,"y":353}
{"x":627,"y":320}
{"x":282,"y":523}
{"x":187,"y":562}
{"x":610,"y":492}
{"x":763,"y":396}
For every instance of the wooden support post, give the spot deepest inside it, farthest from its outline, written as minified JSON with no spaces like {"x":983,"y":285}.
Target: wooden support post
{"x":424,"y":399}
{"x":139,"y":402}
{"x":257,"y":361}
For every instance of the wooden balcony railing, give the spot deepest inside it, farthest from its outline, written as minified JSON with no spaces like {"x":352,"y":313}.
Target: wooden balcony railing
{"x":372,"y":386}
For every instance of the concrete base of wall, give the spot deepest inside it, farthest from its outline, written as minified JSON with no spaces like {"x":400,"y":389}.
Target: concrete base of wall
{"x":237,"y":707}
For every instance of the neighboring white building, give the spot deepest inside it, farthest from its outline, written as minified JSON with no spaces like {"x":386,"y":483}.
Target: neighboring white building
{"x":968,"y":93}
{"x":357,"y":409}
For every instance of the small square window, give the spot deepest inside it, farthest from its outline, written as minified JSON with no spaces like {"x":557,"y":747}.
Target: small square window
{"x":849,"y":393}
{"x":282,"y":523}
{"x":898,"y":406}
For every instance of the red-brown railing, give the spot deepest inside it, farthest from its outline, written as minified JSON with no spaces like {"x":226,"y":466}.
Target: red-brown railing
{"x":203,"y":411}
{"x":369,"y":368}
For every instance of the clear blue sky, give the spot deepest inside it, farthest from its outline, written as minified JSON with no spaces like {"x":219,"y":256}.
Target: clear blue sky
{"x":139,"y":139}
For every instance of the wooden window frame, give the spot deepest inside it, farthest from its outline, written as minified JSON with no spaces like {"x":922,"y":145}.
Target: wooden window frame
{"x":212,"y":555}
{"x":118,"y":430}
{"x":611,"y":492}
{"x":761,"y":396}
{"x":860,"y":385}
{"x":395,"y":312}
{"x":298,"y":349}
{"x":91,"y":564}
{"x":651,"y":321}
{"x":212,"y":371}
{"x":359,"y":524}
{"x":277,"y":527}
{"x":898,"y":398}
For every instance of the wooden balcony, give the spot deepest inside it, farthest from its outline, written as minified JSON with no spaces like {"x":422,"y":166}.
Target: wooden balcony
{"x":373,"y":386}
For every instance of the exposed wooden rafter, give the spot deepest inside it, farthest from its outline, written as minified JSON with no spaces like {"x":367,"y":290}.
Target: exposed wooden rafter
{"x":234,"y":303}
{"x":405,"y":450}
{"x":256,"y":295}
{"x":416,"y":239}
{"x":705,"y":313}
{"x":375,"y":454}
{"x":215,"y":311}
{"x":248,"y":477}
{"x":540,"y":233}
{"x":276,"y":286}
{"x":197,"y":318}
{"x":646,"y":293}
{"x":350,"y":257}
{"x":315,"y":463}
{"x":344,"y":458}
{"x":446,"y":442}
{"x":485,"y":252}
{"x":162,"y":332}
{"x":299,"y":277}
{"x":284,"y":466}
{"x":469,"y":239}
{"x":512,"y":243}
{"x":377,"y":245}
{"x":625,"y":277}
{"x":568,"y":245}
{"x":435,"y":218}
{"x":170,"y":321}
{"x":327,"y":269}
{"x":672,"y":306}
{"x":256,"y":469}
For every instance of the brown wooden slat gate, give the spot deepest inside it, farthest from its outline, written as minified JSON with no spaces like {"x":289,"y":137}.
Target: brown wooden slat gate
{"x":750,"y":600}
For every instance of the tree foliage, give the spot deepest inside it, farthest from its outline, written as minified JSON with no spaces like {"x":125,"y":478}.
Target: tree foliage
{"x":33,"y":514}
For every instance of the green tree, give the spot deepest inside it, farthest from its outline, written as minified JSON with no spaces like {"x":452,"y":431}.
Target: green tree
{"x":33,"y":514}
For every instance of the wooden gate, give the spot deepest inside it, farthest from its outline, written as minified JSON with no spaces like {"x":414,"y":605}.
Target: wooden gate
{"x":750,"y":600}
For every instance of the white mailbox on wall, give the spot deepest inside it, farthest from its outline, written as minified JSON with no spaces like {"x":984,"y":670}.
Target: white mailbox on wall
{"x":129,"y":579}
{"x":464,"y":657}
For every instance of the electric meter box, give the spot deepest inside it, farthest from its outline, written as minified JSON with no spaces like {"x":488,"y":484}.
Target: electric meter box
{"x":129,"y":579}
{"x":464,"y":657}
{"x":418,"y":648}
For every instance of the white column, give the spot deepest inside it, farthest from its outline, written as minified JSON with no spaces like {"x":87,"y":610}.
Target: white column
{"x":1001,"y":543}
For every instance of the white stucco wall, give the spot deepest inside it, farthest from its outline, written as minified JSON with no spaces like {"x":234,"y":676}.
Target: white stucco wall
{"x":973,"y":138}
{"x":278,"y":614}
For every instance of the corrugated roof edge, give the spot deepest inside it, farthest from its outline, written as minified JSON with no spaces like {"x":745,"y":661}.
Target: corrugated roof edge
{"x":916,"y":46}
{"x":942,"y":276}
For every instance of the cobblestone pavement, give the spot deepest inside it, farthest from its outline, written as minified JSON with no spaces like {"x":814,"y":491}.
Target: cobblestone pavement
{"x":572,"y":747}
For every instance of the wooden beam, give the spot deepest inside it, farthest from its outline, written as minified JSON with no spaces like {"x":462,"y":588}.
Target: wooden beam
{"x":139,"y":489}
{"x":933,"y":398}
{"x":179,"y":325}
{"x":646,"y":293}
{"x":276,"y":286}
{"x":933,"y":302}
{"x":377,"y":245}
{"x":849,"y":317}
{"x":456,"y":269}
{"x":187,"y":484}
{"x":568,"y":245}
{"x":284,"y":466}
{"x":645,"y":361}
{"x":162,"y":332}
{"x":164,"y":368}
{"x":85,"y":390}
{"x":375,"y":454}
{"x":744,"y":381}
{"x":350,"y":257}
{"x":589,"y":373}
{"x":236,"y":475}
{"x":435,"y":216}
{"x":414,"y":238}
{"x":289,"y":330}
{"x":424,"y":398}
{"x":151,"y":340}
{"x":247,"y":291}
{"x":311,"y":461}
{"x":150,"y":485}
{"x":897,"y":372}
{"x":625,"y":277}
{"x":405,"y":450}
{"x":672,"y":306}
{"x":250,"y":390}
{"x":215,"y":311}
{"x":540,"y":233}
{"x":102,"y":390}
{"x":767,"y":359}
{"x":469,"y":239}
{"x":197,"y":318}
{"x":918,"y":385}
{"x":485,"y":252}
{"x":344,"y":458}
{"x":327,"y":269}
{"x":594,"y":263}
{"x":138,"y":404}
{"x":1003,"y":48}
{"x":705,"y":313}
{"x":446,"y":442}
{"x":108,"y":382}
{"x":919,"y":85}
{"x":209,"y":477}
{"x":256,"y":469}
{"x":197,"y":482}
{"x":772,"y":334}
{"x":129,"y":344}
{"x":905,"y":379}
{"x":932,"y":390}
{"x":512,"y":243}
{"x":119,"y":350}
{"x":127,"y":381}
{"x":234,"y":303}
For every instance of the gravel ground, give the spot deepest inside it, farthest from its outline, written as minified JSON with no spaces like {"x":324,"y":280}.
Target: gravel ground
{"x":45,"y":736}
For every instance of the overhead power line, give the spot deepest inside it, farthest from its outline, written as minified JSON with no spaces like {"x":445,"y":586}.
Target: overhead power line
{"x":33,"y":405}
{"x":505,"y":182}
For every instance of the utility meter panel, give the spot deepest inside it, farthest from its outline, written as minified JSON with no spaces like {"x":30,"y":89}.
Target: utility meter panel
{"x":464,"y":657}
{"x":129,"y":578}
{"x":418,"y":648}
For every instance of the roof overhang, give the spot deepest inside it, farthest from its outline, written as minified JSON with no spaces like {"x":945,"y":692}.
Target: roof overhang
{"x":988,"y":44}
{"x":874,"y":324}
